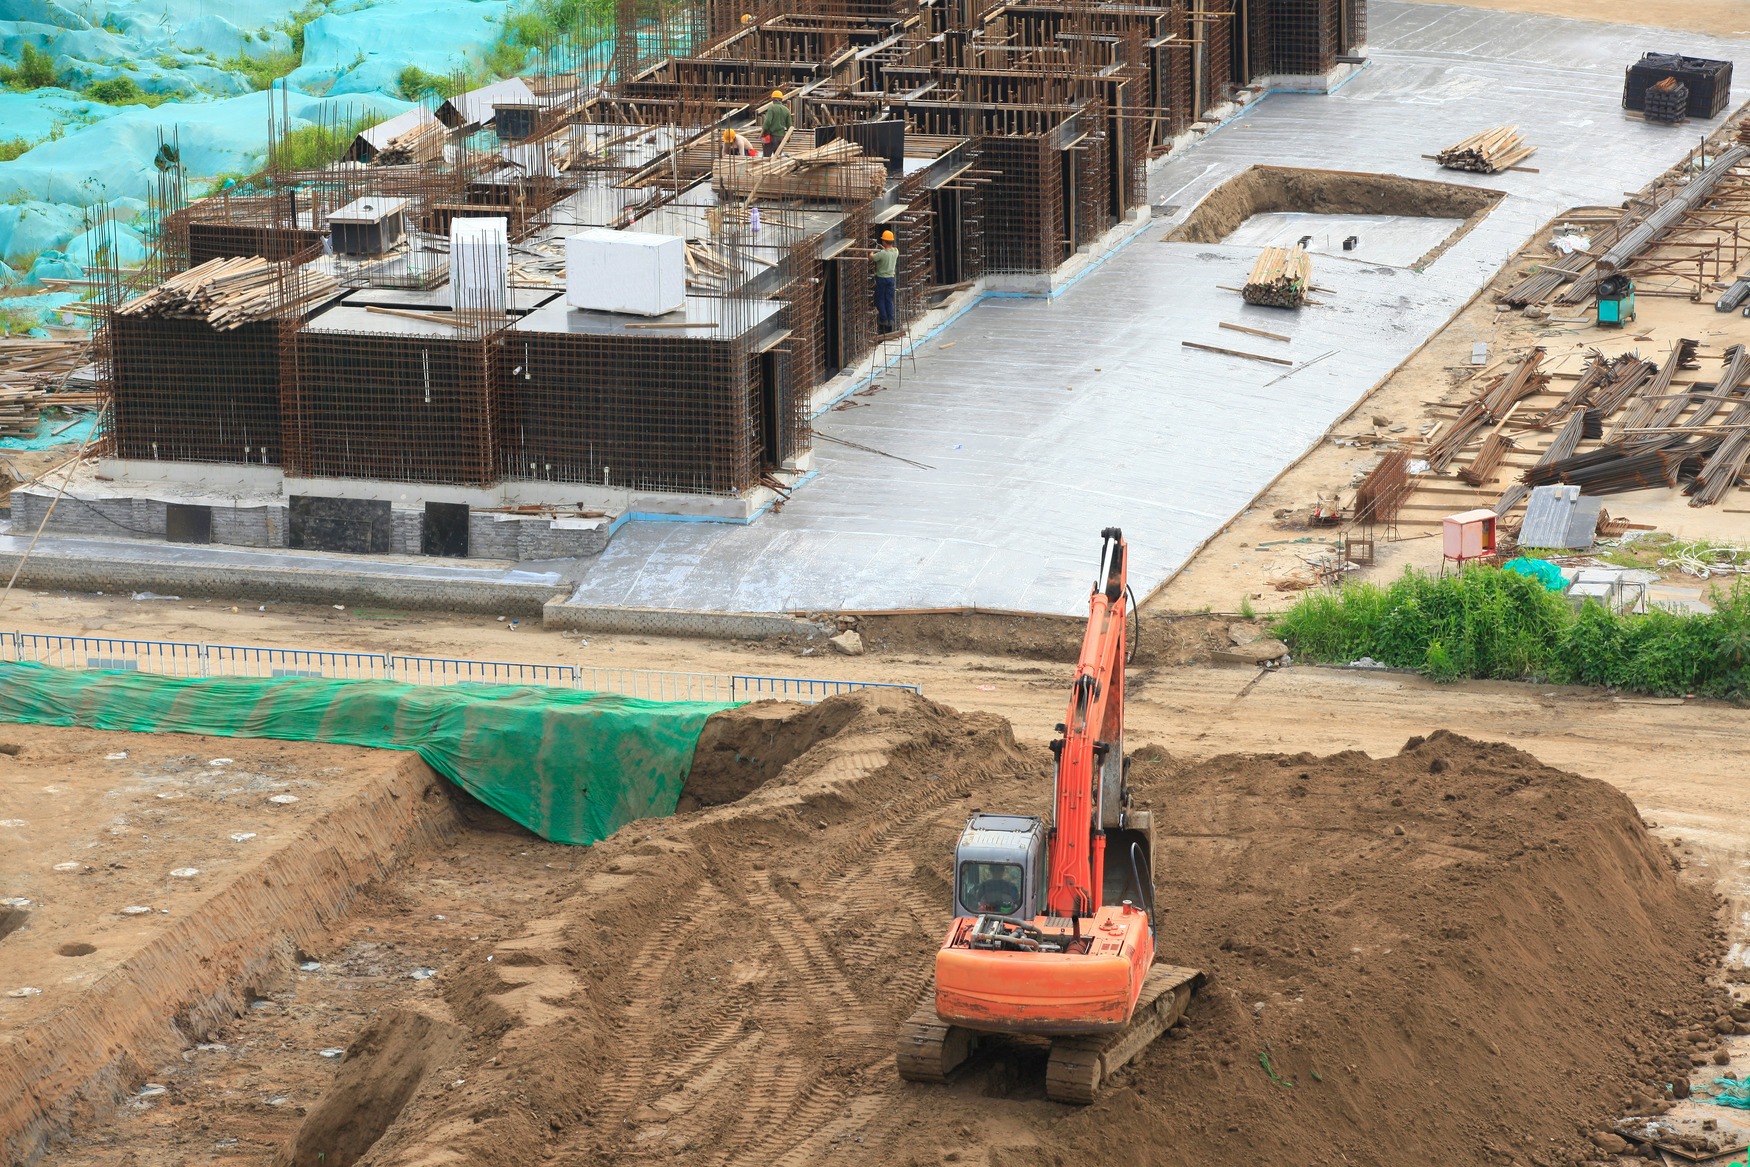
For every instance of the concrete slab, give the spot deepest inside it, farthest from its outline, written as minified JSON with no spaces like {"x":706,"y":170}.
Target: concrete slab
{"x":1048,"y":419}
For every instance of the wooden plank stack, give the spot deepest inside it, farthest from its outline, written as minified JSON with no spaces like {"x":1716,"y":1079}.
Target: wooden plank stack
{"x":422,"y":143}
{"x":28,"y":362}
{"x":1489,"y":152}
{"x":229,"y":293}
{"x":837,"y":170}
{"x":1280,"y":278}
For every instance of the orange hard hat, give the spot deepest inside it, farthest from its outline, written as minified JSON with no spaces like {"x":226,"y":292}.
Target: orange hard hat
{"x":746,"y":18}
{"x":887,"y":237}
{"x":729,"y":135}
{"x":777,"y":95}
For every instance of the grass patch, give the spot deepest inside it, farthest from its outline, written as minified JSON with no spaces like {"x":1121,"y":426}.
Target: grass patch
{"x":35,"y":70}
{"x":415,"y":84}
{"x":1489,"y":623}
{"x":16,"y":323}
{"x":312,"y":147}
{"x":11,"y":148}
{"x":261,"y":72}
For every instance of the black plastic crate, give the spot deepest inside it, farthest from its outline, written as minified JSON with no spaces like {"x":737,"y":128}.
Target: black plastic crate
{"x":1667,"y":105}
{"x":1709,"y":82}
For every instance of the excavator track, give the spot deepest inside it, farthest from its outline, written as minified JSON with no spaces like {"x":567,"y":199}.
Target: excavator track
{"x":1079,"y":1065}
{"x":930,"y":1049}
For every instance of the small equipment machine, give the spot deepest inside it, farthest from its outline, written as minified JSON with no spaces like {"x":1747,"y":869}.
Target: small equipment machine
{"x":1054,"y":923}
{"x":1616,"y":301}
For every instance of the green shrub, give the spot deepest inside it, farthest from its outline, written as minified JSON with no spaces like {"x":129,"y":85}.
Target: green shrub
{"x":261,"y":72}
{"x":414,"y":83}
{"x":11,"y":148}
{"x":1485,"y":622}
{"x":35,"y":70}
{"x":116,"y":91}
{"x":313,"y":147}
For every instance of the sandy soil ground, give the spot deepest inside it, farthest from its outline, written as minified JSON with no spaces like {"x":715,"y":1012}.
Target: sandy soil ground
{"x":723,"y":987}
{"x":1680,"y":763}
{"x":1715,"y":17}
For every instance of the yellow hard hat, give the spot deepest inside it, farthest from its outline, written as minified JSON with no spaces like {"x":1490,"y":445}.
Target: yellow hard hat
{"x":777,"y":95}
{"x":746,"y":18}
{"x":887,"y":237}
{"x":729,"y":135}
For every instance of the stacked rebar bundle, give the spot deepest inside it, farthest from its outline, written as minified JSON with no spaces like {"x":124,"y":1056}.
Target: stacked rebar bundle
{"x":228,"y":293}
{"x":1489,"y":457}
{"x":1280,"y":278}
{"x":1565,"y":443}
{"x":1667,"y":436}
{"x":1488,"y":152}
{"x":1490,"y":407}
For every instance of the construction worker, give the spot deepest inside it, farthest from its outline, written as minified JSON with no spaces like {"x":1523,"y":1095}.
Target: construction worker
{"x":736,"y":146}
{"x":886,"y":276}
{"x":776,"y":123}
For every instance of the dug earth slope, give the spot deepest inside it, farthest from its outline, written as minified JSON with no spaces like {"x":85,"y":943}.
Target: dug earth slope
{"x":1454,"y":955}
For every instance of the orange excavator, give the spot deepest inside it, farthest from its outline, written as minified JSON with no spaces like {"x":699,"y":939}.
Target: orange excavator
{"x":1054,"y":924}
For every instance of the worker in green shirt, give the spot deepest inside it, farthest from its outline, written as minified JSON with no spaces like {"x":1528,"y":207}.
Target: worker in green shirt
{"x":886,"y":275}
{"x":776,"y":123}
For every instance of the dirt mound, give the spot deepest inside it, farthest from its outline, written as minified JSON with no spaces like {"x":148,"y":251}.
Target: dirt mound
{"x":741,"y":749}
{"x":1455,"y":956}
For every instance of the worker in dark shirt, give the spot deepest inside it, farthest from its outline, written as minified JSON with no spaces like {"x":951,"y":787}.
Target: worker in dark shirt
{"x":886,"y":275}
{"x":776,"y":122}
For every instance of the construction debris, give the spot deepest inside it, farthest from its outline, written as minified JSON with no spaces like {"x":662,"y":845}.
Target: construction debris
{"x":837,"y":170}
{"x":33,"y":363}
{"x":1489,"y":152}
{"x":229,"y":293}
{"x":1280,"y":278}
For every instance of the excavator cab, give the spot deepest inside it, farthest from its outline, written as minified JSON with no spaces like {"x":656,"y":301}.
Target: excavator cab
{"x":999,"y":867}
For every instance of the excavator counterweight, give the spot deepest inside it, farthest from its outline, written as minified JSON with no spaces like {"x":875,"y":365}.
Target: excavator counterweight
{"x":1054,"y":924}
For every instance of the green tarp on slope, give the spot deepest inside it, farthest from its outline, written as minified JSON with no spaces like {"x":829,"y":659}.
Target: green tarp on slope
{"x":573,"y":767}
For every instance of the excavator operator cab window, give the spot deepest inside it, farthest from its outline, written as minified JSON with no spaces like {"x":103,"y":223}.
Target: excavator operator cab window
{"x":992,"y":888}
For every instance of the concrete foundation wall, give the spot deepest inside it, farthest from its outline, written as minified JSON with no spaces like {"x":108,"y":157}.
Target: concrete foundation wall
{"x":562,"y":614}
{"x":490,"y":536}
{"x":286,"y":585}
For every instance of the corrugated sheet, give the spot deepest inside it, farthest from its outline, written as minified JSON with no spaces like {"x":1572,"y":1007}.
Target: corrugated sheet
{"x":1557,"y":516}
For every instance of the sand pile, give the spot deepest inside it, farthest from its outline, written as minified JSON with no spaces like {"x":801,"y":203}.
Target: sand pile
{"x":1457,"y":955}
{"x":1454,"y":956}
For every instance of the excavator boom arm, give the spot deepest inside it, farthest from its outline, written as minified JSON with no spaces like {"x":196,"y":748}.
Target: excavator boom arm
{"x":1075,"y":868}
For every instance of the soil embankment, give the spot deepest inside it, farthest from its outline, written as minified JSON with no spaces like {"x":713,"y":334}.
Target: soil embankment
{"x":1453,"y":955}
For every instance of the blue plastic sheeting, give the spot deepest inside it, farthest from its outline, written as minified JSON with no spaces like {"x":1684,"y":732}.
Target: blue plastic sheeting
{"x":364,"y":50}
{"x":35,"y":115}
{"x":45,"y":435}
{"x":1541,"y":570}
{"x":113,"y":158}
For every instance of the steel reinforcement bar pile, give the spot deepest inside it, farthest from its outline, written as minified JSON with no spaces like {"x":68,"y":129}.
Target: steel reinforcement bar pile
{"x":1670,"y":445}
{"x":1490,"y":407}
{"x":1621,"y":242}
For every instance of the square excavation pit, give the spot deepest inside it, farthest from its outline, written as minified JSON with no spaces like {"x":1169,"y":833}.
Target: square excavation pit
{"x":1400,"y":222}
{"x":150,"y":885}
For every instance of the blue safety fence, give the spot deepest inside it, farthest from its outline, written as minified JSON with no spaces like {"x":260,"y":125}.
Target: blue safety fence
{"x":188,"y":659}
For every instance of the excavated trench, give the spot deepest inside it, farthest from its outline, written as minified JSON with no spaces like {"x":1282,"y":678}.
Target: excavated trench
{"x":724,"y":987}
{"x":1261,"y":190}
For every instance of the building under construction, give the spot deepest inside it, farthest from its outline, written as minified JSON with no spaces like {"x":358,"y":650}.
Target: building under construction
{"x":499,"y":327}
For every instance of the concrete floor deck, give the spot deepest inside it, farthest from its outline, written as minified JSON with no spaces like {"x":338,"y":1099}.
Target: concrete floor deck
{"x":1043,"y":420}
